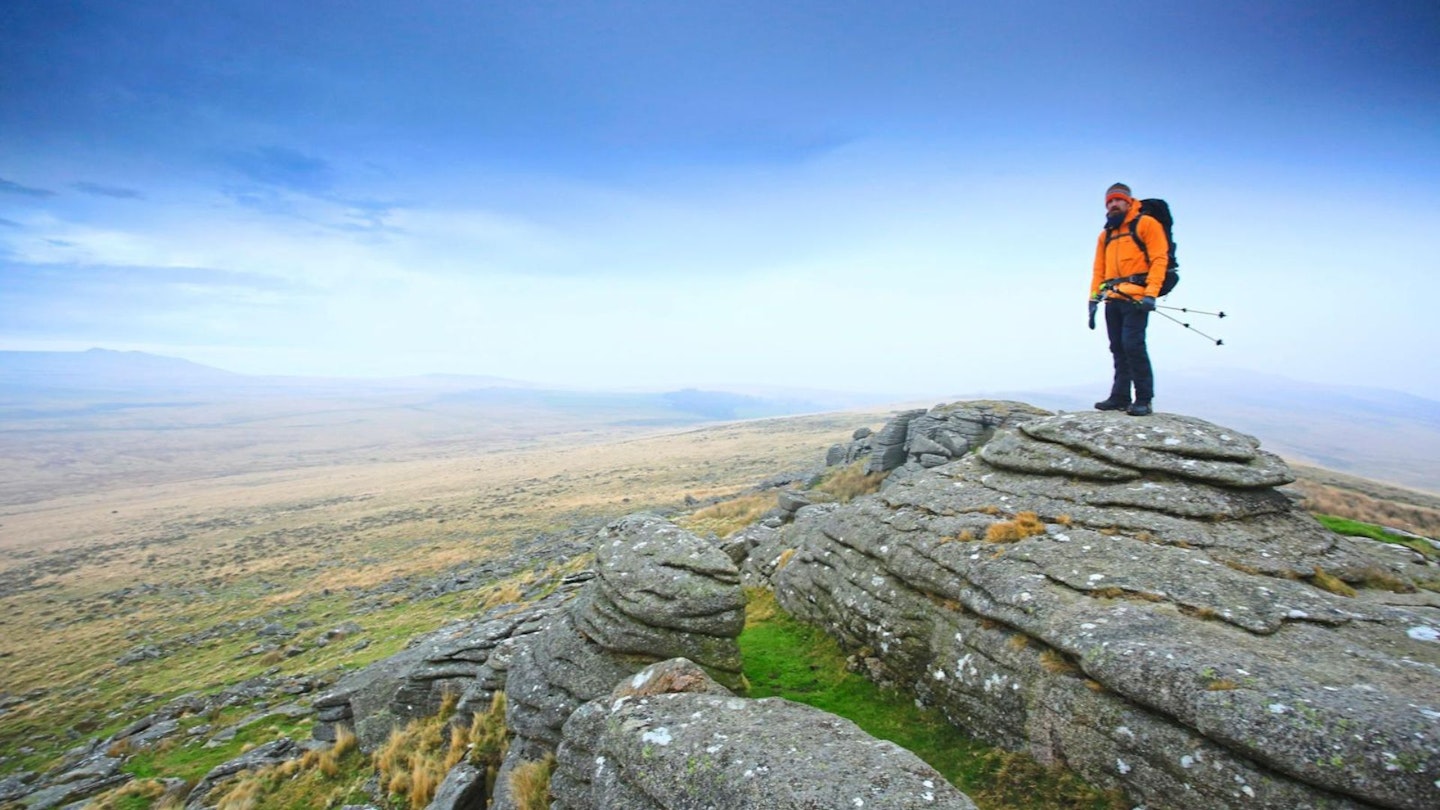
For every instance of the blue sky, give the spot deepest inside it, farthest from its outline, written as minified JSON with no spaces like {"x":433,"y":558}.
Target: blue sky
{"x":890,"y":197}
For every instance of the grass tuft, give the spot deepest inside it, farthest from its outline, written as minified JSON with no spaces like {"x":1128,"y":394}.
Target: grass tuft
{"x":1057,"y":663}
{"x":784,"y":559}
{"x":489,"y":737}
{"x":424,"y":779}
{"x":1326,"y":581}
{"x":530,"y":784}
{"x":415,"y":759}
{"x":1025,"y":524}
{"x":727,"y":517}
{"x":850,"y":482}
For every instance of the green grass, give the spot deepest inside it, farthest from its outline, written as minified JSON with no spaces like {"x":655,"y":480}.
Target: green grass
{"x":786,"y":658}
{"x":1355,"y":528}
{"x":190,"y":760}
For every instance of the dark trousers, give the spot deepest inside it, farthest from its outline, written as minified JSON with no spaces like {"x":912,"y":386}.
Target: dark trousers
{"x":1126,"y":324}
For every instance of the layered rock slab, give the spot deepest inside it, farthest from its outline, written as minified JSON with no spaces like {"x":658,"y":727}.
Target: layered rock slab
{"x":1144,"y":602}
{"x":672,"y":738}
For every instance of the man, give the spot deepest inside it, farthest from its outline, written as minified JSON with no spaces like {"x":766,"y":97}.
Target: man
{"x":1129,"y":282}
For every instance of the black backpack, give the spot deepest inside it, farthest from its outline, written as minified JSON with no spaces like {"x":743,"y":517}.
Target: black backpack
{"x":1159,"y":210}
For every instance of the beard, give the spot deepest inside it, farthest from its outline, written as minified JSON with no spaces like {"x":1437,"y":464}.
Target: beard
{"x":1112,"y":221}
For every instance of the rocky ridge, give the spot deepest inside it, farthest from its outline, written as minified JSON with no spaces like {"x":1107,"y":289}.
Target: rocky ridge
{"x":1133,"y":598}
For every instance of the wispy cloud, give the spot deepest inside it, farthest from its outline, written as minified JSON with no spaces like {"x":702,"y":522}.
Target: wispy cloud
{"x":285,"y":168}
{"x":127,"y":303}
{"x":5,"y":223}
{"x":99,"y":190}
{"x":11,"y":187}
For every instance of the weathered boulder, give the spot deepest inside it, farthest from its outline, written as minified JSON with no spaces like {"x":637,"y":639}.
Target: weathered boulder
{"x":659,"y":592}
{"x":1150,"y":624}
{"x":930,"y":438}
{"x":858,"y":447}
{"x":468,"y":658}
{"x":888,"y":446}
{"x":462,"y":789}
{"x":670,"y":738}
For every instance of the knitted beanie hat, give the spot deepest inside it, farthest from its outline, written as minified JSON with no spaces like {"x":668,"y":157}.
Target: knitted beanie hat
{"x":1117,"y":190}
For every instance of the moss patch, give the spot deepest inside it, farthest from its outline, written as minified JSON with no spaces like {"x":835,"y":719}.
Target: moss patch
{"x":789,"y":659}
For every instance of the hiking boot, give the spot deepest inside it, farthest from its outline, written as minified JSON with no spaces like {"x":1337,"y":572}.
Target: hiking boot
{"x":1112,"y":404}
{"x":1139,"y":409}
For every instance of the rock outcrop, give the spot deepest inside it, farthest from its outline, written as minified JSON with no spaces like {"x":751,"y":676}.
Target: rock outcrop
{"x":920,"y":438}
{"x":671,"y":737}
{"x":659,"y":593}
{"x":1132,"y":597}
{"x":467,"y":658}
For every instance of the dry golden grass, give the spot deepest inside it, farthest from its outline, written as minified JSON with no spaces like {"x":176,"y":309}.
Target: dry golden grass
{"x":345,"y":741}
{"x":530,"y":784}
{"x":508,"y":593}
{"x":244,"y":792}
{"x":147,"y":790}
{"x":785,"y":557}
{"x":850,"y":482}
{"x":1056,"y":663}
{"x":1326,"y":581}
{"x":760,"y":606}
{"x":725,"y":518}
{"x":1025,"y":524}
{"x":1221,"y":685}
{"x":424,"y":779}
{"x":414,"y":759}
{"x":489,"y":736}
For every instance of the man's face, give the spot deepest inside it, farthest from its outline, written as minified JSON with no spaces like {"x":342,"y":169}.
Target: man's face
{"x":1117,"y":206}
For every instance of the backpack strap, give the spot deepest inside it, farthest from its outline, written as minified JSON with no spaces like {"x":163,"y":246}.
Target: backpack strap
{"x":1134,"y":224}
{"x":1112,"y":235}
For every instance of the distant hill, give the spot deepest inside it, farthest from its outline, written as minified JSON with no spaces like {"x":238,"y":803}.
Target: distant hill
{"x":142,"y":373}
{"x":1375,"y":433}
{"x":104,"y":369}
{"x":137,"y":377}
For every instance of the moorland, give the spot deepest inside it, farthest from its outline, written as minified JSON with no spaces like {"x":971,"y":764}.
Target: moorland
{"x":146,"y":550}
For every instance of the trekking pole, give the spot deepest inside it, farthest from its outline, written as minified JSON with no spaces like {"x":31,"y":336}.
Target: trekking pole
{"x":1196,"y":311}
{"x":1218,"y":342}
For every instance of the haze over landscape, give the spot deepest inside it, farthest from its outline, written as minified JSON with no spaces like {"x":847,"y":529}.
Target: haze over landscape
{"x":896,"y":200}
{"x":382,"y":386}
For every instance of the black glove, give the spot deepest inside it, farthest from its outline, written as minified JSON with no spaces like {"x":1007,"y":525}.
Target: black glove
{"x":1094,"y":305}
{"x":1148,"y":303}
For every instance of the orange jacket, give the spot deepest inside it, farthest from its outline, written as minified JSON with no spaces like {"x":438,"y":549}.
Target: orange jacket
{"x":1121,"y":257}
